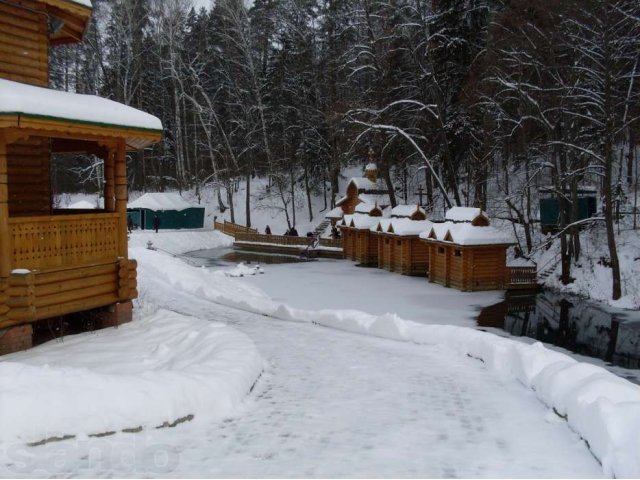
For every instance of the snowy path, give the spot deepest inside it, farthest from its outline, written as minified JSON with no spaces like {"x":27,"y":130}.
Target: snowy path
{"x":338,"y":404}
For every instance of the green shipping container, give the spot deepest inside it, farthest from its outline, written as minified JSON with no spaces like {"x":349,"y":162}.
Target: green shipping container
{"x":550,"y":211}
{"x":171,"y":209}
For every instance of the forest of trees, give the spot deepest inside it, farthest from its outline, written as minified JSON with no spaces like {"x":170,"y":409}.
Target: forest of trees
{"x":480,"y":102}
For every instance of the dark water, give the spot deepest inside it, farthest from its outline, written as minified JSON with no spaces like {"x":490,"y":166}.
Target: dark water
{"x":570,"y":322}
{"x":224,"y":257}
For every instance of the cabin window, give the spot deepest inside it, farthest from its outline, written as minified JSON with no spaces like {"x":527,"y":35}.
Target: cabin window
{"x":398,"y":243}
{"x":441,"y":250}
{"x":457,"y":252}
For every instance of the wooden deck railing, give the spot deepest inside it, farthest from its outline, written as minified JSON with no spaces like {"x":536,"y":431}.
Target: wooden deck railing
{"x":230,"y":228}
{"x":274,"y":239}
{"x":56,"y":241}
{"x":522,"y":275}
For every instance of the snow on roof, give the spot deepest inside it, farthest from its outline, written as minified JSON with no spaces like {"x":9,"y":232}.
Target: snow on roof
{"x":335,"y":213}
{"x":86,"y":3}
{"x":346,"y":220}
{"x":29,"y":100}
{"x":162,"y":201}
{"x":405,"y":227}
{"x":405,"y":210}
{"x":380,"y":199}
{"x":381,"y":225}
{"x":463,"y":214}
{"x":82,"y":205}
{"x":363,"y":222}
{"x":366,"y":207}
{"x":467,"y":234}
{"x":370,"y":167}
{"x":439,"y":230}
{"x":363,"y":183}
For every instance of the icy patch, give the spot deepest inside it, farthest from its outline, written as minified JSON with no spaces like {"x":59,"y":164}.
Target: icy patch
{"x":151,"y":372}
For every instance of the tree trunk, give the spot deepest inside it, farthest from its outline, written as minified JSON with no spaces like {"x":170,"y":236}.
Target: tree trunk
{"x":248,"y":201}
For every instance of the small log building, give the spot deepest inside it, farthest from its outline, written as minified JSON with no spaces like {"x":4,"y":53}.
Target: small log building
{"x":409,"y":255}
{"x":467,"y":257}
{"x":54,"y":263}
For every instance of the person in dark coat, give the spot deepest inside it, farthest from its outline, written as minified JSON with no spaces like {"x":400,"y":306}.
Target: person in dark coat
{"x":129,"y":223}
{"x":293,"y":232}
{"x":267,"y":230}
{"x":156,"y":223}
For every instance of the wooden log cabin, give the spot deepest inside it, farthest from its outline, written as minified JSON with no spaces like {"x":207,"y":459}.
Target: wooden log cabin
{"x":467,"y":257}
{"x":365,"y":242}
{"x":408,"y":254}
{"x":54,"y":263}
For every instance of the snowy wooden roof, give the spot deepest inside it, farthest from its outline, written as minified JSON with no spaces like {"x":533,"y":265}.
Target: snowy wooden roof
{"x":162,"y":201}
{"x":464,"y":214}
{"x":405,"y":210}
{"x":370,"y":167}
{"x":466,"y":234}
{"x":405,"y":227}
{"x":363,"y":183}
{"x":32,"y":107}
{"x":335,"y":213}
{"x":381,"y":225}
{"x":363,"y":222}
{"x":366,"y":207}
{"x":74,"y":15}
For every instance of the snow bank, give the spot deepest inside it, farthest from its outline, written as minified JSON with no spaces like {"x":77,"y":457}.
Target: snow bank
{"x":242,"y":270}
{"x":154,"y":370}
{"x":182,"y":241}
{"x":603,"y":408}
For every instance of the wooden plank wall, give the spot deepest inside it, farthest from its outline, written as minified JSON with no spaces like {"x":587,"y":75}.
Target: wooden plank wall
{"x":29,"y":177}
{"x":419,"y":257}
{"x":24,"y":44}
{"x":372,"y":250}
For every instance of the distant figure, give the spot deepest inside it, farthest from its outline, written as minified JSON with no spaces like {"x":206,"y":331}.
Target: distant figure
{"x":129,"y":224}
{"x":267,"y":231}
{"x":156,"y":223}
{"x":293,"y":232}
{"x":335,"y":234}
{"x":309,"y":234}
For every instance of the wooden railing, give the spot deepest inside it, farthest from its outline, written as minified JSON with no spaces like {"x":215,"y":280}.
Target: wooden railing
{"x":63,"y":240}
{"x":274,"y":239}
{"x":330,"y":242}
{"x":230,"y":228}
{"x":522,"y":275}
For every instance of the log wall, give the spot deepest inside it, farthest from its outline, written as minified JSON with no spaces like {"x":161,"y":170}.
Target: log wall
{"x":28,"y":164}
{"x":24,"y":43}
{"x":35,"y":295}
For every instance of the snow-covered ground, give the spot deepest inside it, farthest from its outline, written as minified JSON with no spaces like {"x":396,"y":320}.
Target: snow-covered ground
{"x":444,"y":401}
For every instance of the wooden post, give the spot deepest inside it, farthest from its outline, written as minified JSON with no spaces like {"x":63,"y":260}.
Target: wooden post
{"x":121,"y":198}
{"x":5,"y":244}
{"x":109,"y":181}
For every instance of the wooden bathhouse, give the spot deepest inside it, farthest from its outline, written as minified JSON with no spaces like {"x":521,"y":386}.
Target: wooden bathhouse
{"x":467,"y":257}
{"x":365,"y":246}
{"x":54,"y":262}
{"x":407,"y":253}
{"x":368,"y":189}
{"x":172,"y":211}
{"x":472,"y":215}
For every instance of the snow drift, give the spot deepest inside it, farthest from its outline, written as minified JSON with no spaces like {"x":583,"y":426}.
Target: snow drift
{"x":148,"y":373}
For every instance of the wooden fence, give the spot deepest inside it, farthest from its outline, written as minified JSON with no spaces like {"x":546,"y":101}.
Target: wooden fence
{"x":230,"y":228}
{"x":274,"y":239}
{"x":331,"y":243}
{"x":522,"y":277}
